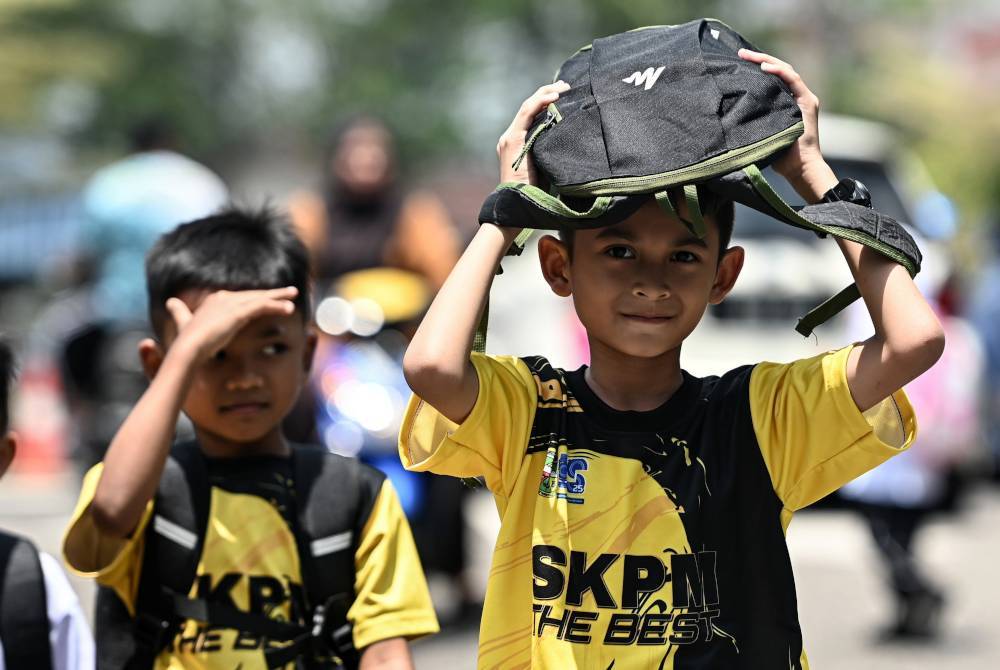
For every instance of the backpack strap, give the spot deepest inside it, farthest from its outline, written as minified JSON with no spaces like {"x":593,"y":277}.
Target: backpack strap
{"x":663,"y":200}
{"x":516,"y":247}
{"x":840,"y":219}
{"x":24,"y":621}
{"x":697,"y":222}
{"x":173,"y":542}
{"x":519,"y":205}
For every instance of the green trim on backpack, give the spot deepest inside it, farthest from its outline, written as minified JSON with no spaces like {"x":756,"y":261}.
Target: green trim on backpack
{"x":554,"y":117}
{"x":826,"y":311}
{"x":837,"y":303}
{"x":766,"y":191}
{"x":697,"y":222}
{"x":663,"y":200}
{"x":721,"y":164}
{"x":554,"y":205}
{"x":516,"y":247}
{"x":479,"y":339}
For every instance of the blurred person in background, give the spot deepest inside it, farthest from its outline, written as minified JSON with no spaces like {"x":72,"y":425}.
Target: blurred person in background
{"x":364,"y":218}
{"x":127,"y":205}
{"x":41,"y":624}
{"x":899,"y":497}
{"x":376,"y":243}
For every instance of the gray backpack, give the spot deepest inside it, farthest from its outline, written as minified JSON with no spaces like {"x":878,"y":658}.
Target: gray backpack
{"x":674,"y":109}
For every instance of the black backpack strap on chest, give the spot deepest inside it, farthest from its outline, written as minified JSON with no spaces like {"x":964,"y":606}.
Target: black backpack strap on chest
{"x":24,"y":621}
{"x":334,"y":497}
{"x":173,"y":541}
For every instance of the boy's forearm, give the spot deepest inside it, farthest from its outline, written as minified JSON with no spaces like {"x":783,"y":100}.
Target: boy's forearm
{"x":135,"y":459}
{"x":436,"y":364}
{"x":908,"y":336}
{"x":814,"y":180}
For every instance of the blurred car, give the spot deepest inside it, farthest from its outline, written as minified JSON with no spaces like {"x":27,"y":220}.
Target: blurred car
{"x":789,"y":271}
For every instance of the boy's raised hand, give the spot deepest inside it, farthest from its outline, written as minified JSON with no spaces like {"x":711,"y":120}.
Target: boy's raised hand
{"x":512,"y":141}
{"x":222,"y":314}
{"x":802,"y":164}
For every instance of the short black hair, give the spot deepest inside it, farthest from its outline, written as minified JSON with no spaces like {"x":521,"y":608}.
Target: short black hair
{"x":6,"y":382}
{"x":721,"y":210}
{"x":234,"y":250}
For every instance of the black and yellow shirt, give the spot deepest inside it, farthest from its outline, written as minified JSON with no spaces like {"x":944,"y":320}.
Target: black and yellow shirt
{"x":250,"y":556}
{"x":651,"y":539}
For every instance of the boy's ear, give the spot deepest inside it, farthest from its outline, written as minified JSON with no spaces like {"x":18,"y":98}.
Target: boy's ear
{"x":309,"y":350}
{"x":554,"y":258}
{"x":8,"y":448}
{"x":151,"y":355}
{"x":725,"y":276}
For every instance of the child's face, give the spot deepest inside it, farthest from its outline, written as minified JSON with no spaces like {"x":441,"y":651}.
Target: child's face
{"x":243,"y":393}
{"x":641,"y":287}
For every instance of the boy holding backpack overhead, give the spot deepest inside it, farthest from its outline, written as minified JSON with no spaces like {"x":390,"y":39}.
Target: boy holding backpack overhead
{"x":239,"y":549}
{"x":643,"y":509}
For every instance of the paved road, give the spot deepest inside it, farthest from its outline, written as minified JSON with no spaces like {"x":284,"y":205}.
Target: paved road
{"x":841,"y":599}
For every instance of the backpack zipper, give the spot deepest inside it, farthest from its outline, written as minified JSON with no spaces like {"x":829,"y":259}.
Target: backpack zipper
{"x":713,"y":167}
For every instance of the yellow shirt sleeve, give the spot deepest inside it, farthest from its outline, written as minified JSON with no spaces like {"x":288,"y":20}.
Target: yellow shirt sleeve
{"x":113,"y":562}
{"x":812,"y":435}
{"x":391,"y":599}
{"x":491,"y":440}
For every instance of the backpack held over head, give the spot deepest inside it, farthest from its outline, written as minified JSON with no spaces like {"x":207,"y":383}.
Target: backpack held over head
{"x":24,"y":619}
{"x":674,"y":108}
{"x":329,"y":515}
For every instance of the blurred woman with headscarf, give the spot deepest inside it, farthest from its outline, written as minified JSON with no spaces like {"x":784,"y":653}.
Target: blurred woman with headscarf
{"x":364,"y":218}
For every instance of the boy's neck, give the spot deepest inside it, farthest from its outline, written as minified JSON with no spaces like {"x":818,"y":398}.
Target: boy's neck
{"x":215,"y":446}
{"x":628,"y":383}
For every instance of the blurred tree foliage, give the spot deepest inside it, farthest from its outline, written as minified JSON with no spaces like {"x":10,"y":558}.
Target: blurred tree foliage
{"x":227,"y":72}
{"x":446,"y":74}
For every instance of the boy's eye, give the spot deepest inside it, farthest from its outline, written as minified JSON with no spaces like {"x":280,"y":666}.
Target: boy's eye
{"x":685,"y":257}
{"x":620,"y":252}
{"x":274,"y":349}
{"x":220,"y":355}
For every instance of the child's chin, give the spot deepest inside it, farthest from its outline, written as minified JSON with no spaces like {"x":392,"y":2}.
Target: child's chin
{"x":243,"y":433}
{"x":646,"y":349}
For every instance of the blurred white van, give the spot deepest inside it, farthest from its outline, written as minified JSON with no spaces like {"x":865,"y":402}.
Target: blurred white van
{"x":788,"y":271}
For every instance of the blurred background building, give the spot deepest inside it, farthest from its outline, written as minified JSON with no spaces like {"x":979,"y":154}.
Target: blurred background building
{"x":252,"y":91}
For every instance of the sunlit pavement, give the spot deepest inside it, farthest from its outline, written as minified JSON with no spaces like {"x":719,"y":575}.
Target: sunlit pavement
{"x":841,"y":598}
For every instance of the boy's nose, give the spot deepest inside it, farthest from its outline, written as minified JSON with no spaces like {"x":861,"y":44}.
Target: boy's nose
{"x":243,"y":380}
{"x":649,"y":291}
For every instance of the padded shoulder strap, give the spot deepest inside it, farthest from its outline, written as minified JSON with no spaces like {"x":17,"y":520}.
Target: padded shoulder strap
{"x":334,"y":497}
{"x":24,"y":621}
{"x":173,"y":540}
{"x":180,"y":516}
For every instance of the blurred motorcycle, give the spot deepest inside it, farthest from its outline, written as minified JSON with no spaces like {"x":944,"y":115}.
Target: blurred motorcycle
{"x":365,"y":321}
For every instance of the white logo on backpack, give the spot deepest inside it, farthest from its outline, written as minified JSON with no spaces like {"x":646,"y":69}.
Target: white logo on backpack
{"x":648,"y":77}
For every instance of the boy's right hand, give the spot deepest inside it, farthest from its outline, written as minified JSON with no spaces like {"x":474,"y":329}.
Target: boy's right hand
{"x":222,"y":314}
{"x":512,"y":141}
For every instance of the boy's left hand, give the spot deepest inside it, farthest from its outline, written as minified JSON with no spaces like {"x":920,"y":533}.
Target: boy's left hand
{"x":802,"y":163}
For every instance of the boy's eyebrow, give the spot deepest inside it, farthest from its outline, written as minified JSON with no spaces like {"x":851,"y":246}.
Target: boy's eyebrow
{"x":693,"y":241}
{"x":614,"y":231}
{"x":272,"y":330}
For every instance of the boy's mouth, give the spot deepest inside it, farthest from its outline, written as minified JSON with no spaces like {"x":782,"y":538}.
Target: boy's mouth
{"x":244,"y":408}
{"x":647,"y":318}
